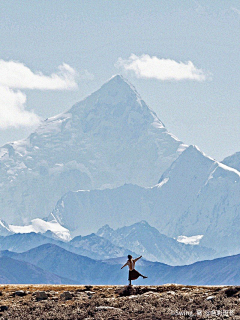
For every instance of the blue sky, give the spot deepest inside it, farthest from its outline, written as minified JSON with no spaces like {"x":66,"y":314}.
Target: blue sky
{"x":87,"y":39}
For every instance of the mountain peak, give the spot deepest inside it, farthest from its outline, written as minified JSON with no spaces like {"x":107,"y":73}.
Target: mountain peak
{"x":110,"y":138}
{"x":115,"y":108}
{"x":116,"y":93}
{"x":103,"y":230}
{"x":119,"y":83}
{"x":190,"y":161}
{"x":233,"y":161}
{"x":117,"y":78}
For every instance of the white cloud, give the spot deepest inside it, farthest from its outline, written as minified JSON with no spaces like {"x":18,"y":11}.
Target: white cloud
{"x":15,"y":75}
{"x":12,"y":109}
{"x":145,"y":66}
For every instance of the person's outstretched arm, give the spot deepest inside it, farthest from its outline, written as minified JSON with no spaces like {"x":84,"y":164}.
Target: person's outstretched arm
{"x":137,"y":258}
{"x":124,"y":265}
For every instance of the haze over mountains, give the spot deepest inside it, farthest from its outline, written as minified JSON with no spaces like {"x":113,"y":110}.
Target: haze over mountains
{"x":56,"y":265}
{"x":137,"y":239}
{"x":110,"y":163}
{"x":195,"y":196}
{"x":154,"y":246}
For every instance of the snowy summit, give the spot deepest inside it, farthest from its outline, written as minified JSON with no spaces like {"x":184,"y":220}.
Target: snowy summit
{"x":108,"y":139}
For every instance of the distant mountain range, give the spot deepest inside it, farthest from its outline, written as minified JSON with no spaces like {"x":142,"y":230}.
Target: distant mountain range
{"x":91,"y":246}
{"x":195,"y":196}
{"x":80,"y":269}
{"x":59,"y":263}
{"x":109,"y":161}
{"x":139,"y":238}
{"x":154,"y":246}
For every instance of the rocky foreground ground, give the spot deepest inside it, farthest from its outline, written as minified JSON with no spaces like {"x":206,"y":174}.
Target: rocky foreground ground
{"x":119,"y":302}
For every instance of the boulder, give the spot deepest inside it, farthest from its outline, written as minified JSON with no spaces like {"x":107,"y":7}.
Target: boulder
{"x":66,"y":295}
{"x":3,"y":308}
{"x":20,"y":293}
{"x":41,"y":295}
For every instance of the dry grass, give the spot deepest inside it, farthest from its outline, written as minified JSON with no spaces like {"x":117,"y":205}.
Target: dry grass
{"x":120,"y":302}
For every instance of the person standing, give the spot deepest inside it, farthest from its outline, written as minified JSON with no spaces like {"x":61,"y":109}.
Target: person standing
{"x":133,"y":274}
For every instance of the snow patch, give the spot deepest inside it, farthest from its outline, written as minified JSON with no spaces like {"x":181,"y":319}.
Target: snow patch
{"x":41,"y":226}
{"x":193,"y":240}
{"x":159,"y":185}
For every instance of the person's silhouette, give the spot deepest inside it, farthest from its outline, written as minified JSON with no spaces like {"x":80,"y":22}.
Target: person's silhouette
{"x":133,"y":274}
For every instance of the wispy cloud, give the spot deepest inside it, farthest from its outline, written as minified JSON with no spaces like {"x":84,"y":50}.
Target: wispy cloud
{"x":12,"y":109}
{"x":15,"y":76}
{"x":145,"y":66}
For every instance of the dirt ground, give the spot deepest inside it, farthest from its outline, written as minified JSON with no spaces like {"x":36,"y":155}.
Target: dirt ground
{"x":119,"y":302}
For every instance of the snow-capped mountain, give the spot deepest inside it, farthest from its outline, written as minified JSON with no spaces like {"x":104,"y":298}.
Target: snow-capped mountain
{"x":99,"y":247}
{"x":41,"y":226}
{"x":139,"y":238}
{"x":91,"y":246}
{"x":108,"y":139}
{"x":196,"y":196}
{"x":233,"y":161}
{"x":154,"y":246}
{"x":5,"y":229}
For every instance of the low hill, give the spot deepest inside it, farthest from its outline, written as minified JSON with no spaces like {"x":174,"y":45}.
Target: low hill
{"x":15,"y":271}
{"x":83,"y":270}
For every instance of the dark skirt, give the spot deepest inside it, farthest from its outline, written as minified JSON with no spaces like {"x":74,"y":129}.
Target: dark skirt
{"x":133,"y":275}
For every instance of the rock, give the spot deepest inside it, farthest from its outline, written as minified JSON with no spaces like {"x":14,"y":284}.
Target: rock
{"x":66,"y":295}
{"x":20,"y":293}
{"x":151,"y":293}
{"x":82,"y":294}
{"x":171,"y":292}
{"x":110,"y":299}
{"x":127,"y":291}
{"x":105,"y":308}
{"x":231,"y":291}
{"x":210,"y":298}
{"x":41,"y":295}
{"x":90,"y":293}
{"x":3,"y":308}
{"x":133,"y":296}
{"x":152,"y":288}
{"x":52,"y":293}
